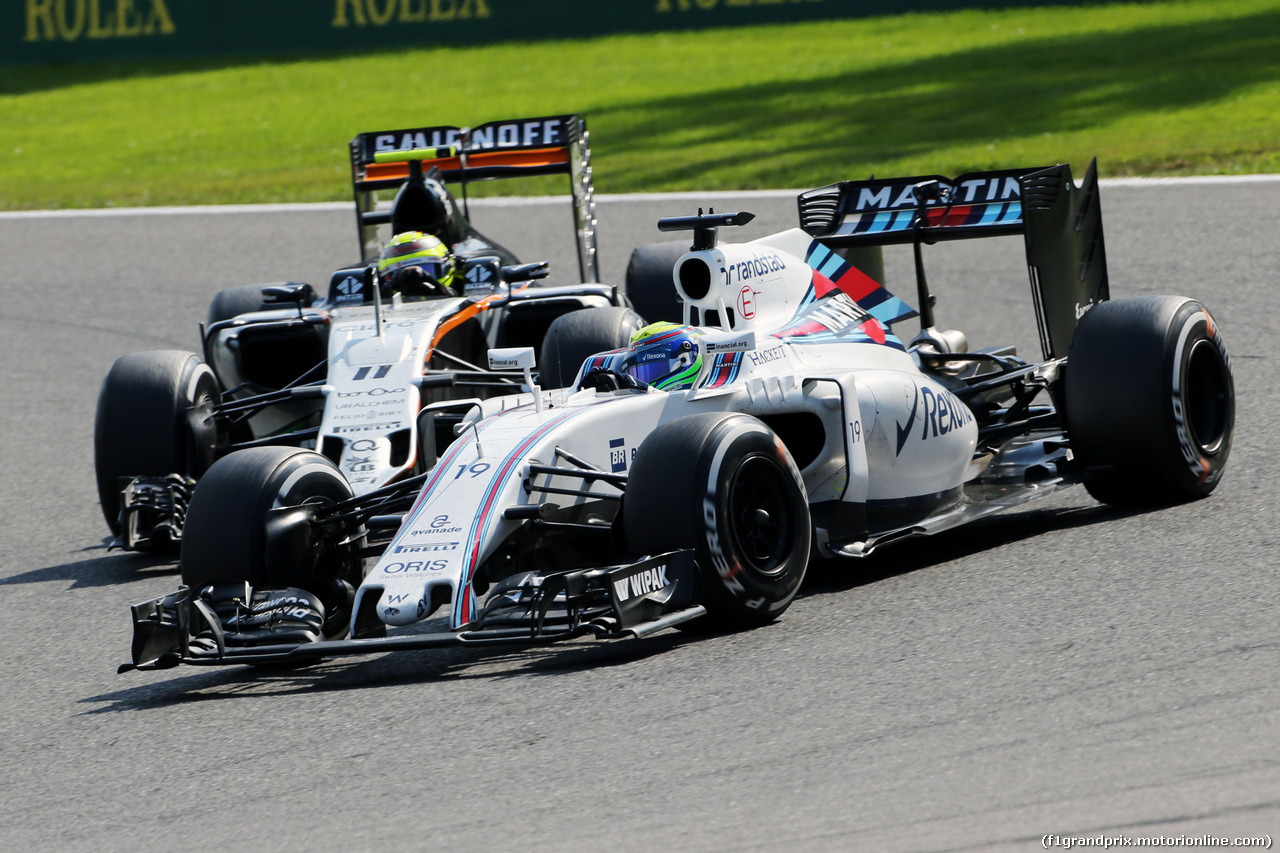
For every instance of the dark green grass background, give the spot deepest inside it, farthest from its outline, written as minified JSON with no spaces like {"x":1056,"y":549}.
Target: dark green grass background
{"x":1157,"y":88}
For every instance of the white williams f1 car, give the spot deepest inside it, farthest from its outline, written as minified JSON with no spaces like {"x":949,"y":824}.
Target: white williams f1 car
{"x":692,"y":474}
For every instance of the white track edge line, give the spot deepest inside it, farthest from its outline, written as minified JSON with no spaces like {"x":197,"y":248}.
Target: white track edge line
{"x":536,"y":201}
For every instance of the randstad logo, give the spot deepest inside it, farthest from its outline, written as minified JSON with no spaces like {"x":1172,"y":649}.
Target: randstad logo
{"x":70,"y":20}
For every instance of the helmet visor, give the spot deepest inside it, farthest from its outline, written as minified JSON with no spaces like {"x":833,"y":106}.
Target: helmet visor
{"x":654,"y":369}
{"x":435,"y":270}
{"x":662,"y":363}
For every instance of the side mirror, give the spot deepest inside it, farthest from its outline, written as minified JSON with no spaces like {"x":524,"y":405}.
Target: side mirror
{"x":526,"y":272}
{"x":512,"y":358}
{"x":295,"y":292}
{"x":518,"y":358}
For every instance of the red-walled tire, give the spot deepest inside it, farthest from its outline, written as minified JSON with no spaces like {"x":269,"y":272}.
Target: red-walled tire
{"x":725,"y":486}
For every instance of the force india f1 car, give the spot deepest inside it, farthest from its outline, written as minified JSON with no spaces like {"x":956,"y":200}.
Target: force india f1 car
{"x":358,"y":375}
{"x":802,"y":424}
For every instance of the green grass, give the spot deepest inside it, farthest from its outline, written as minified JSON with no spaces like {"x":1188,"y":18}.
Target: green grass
{"x":1157,"y":88}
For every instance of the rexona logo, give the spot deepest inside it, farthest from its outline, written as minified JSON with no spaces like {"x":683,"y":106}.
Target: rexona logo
{"x":70,"y":20}
{"x":642,"y":583}
{"x":937,"y":410}
{"x":380,"y":13}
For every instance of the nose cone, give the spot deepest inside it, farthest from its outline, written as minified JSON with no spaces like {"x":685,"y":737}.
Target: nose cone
{"x":396,"y":607}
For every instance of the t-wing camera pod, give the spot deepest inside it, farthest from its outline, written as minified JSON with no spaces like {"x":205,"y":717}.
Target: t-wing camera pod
{"x":704,"y":226}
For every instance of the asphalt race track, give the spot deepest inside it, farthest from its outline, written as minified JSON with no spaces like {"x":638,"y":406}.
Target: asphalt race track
{"x":1063,"y":670}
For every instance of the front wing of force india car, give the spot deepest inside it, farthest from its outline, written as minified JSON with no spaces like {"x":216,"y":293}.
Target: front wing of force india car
{"x":370,"y":374}
{"x":615,"y":509}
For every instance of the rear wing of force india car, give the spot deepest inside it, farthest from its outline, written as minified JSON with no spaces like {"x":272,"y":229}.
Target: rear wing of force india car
{"x":548,"y":145}
{"x":1061,"y":224}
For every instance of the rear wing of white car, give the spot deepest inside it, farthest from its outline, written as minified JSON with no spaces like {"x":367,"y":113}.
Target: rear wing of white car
{"x":384,"y":160}
{"x":1061,"y":224}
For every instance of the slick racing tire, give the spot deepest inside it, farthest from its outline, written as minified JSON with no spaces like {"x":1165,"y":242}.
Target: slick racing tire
{"x":226,"y":534}
{"x":651,"y":281}
{"x":154,"y":418}
{"x":235,"y":301}
{"x":1150,"y":401}
{"x":725,"y":486}
{"x":574,"y":337}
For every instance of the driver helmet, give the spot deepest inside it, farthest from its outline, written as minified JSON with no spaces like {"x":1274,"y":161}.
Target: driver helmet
{"x":664,"y":355}
{"x":418,"y":257}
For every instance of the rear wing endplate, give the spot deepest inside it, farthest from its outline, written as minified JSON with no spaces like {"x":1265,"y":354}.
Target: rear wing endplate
{"x":1061,"y":224}
{"x":548,"y":145}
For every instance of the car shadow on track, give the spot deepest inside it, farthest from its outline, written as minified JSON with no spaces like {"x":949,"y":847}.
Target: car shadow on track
{"x":102,"y":569}
{"x":909,"y":555}
{"x":433,"y":666}
{"x":398,"y":669}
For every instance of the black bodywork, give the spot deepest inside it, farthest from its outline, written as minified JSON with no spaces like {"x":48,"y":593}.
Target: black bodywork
{"x":270,"y":359}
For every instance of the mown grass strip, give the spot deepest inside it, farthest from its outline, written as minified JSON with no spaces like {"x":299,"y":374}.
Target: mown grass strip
{"x":1158,"y":88}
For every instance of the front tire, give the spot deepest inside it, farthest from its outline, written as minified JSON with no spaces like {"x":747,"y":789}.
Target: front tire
{"x":725,"y":486}
{"x":1150,"y":400}
{"x":225,"y":538}
{"x":154,"y":418}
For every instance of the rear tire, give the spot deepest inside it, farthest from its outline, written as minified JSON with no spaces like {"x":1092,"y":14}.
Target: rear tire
{"x":651,"y":281}
{"x":234,"y":301}
{"x":574,"y":337}
{"x":1150,"y":400}
{"x":725,"y":486}
{"x":225,"y":537}
{"x":154,"y":418}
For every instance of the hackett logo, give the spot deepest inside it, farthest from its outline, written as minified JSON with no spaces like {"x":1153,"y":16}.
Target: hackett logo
{"x":379,"y":13}
{"x":70,"y":20}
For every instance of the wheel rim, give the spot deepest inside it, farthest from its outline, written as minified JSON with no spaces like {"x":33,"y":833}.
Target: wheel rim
{"x":1207,"y":397}
{"x":761,"y":516}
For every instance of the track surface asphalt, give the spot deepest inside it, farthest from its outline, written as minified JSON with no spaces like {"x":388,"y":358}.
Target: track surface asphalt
{"x":1066,"y":669}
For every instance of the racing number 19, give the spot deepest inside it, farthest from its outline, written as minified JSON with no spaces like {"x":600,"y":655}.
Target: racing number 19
{"x":476,"y":469}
